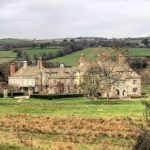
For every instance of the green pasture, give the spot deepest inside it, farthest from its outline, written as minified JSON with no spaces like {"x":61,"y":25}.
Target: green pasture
{"x":139,"y":52}
{"x":72,"y":108}
{"x":72,"y":59}
{"x":91,"y":54}
{"x":81,"y":107}
{"x":7,"y":54}
{"x":31,"y":52}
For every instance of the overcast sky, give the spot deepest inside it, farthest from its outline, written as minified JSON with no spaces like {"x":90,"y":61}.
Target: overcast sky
{"x":73,"y":18}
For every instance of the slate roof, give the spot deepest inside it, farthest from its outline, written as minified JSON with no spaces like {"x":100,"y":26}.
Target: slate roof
{"x":127,"y":72}
{"x":28,"y":71}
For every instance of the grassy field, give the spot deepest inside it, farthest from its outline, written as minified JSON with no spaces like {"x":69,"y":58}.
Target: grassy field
{"x":5,"y":56}
{"x":139,"y":52}
{"x":4,"y":60}
{"x":91,"y":54}
{"x":72,"y":59}
{"x":73,"y":107}
{"x":68,"y":124}
{"x":38,"y":51}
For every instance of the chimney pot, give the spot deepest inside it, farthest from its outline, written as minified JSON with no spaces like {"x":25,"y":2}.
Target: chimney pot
{"x":121,"y":59}
{"x":25,"y":64}
{"x":12,"y":69}
{"x":39,"y":63}
{"x":103,"y":57}
{"x":82,"y":58}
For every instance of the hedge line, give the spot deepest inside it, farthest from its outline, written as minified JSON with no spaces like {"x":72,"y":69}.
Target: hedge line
{"x":1,"y":95}
{"x":50,"y":97}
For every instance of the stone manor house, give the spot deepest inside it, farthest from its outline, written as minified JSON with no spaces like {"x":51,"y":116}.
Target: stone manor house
{"x":63,"y":80}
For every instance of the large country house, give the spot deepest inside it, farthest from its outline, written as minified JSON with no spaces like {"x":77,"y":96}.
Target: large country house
{"x":63,"y":79}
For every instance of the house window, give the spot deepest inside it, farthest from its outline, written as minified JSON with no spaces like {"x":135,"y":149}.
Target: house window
{"x":54,"y":73}
{"x":54,"y":81}
{"x":67,"y":73}
{"x":134,"y":81}
{"x":134,"y":90}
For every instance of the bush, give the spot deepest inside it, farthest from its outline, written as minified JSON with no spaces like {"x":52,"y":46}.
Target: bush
{"x":134,"y":96}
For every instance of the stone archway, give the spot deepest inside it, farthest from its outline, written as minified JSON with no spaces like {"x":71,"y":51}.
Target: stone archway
{"x":120,"y":92}
{"x":117,"y":91}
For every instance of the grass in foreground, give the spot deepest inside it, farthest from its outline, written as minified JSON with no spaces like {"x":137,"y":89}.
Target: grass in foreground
{"x":68,"y":124}
{"x":81,"y":107}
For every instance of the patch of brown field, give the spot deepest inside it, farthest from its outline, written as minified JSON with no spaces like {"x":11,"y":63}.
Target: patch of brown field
{"x":70,"y":131}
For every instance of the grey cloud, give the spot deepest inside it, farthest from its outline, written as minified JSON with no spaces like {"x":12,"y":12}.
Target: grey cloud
{"x":71,"y":18}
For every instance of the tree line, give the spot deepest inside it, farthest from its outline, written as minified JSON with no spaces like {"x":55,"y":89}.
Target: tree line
{"x":86,"y":42}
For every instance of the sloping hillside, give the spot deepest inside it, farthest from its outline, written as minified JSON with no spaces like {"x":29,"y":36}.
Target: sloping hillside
{"x":31,"y":52}
{"x":91,"y":54}
{"x":6,"y":56}
{"x":72,"y":59}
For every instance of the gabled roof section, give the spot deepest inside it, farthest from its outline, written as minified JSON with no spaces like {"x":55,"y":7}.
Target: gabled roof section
{"x":28,"y":71}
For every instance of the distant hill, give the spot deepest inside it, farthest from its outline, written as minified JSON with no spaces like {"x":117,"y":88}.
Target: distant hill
{"x":91,"y":54}
{"x":31,"y":48}
{"x":72,"y":59}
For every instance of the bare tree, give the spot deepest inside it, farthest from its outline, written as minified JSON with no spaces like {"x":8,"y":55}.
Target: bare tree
{"x":91,"y":81}
{"x":102,"y":77}
{"x":110,"y":77}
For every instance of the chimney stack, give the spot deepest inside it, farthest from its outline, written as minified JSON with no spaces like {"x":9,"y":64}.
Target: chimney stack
{"x":12,"y":69}
{"x":98,"y":58}
{"x":25,"y":64}
{"x":39,"y":63}
{"x":103,"y":57}
{"x":121,"y":59}
{"x":82,"y":58}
